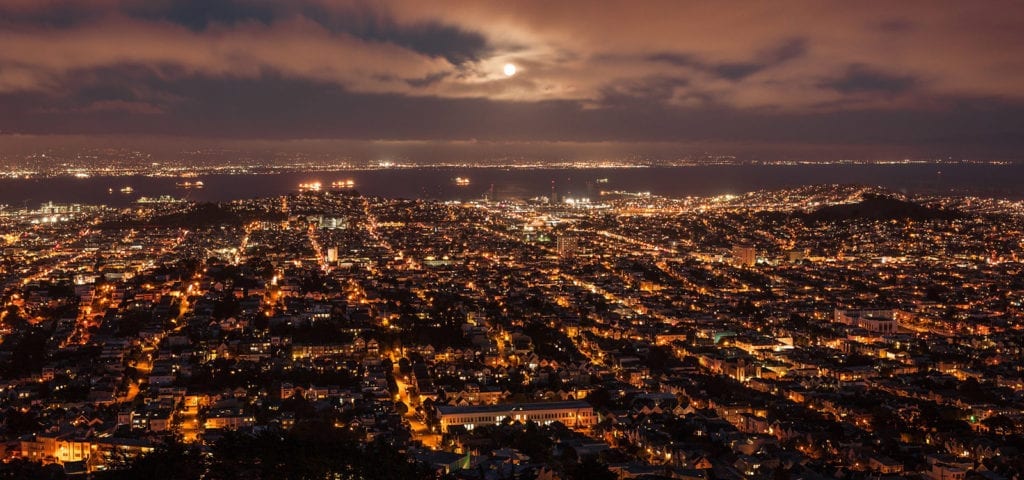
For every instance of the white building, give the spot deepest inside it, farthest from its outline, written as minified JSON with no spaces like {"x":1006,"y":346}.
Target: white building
{"x":573,"y":414}
{"x":875,"y":320}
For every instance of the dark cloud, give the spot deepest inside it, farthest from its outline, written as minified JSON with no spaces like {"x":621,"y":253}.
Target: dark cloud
{"x":677,"y":59}
{"x":427,"y":80}
{"x":56,"y":15}
{"x":653,"y":90}
{"x":737,"y":71}
{"x":362,"y":21}
{"x":860,"y":78}
{"x":788,"y":50}
{"x":198,"y":15}
{"x":430,"y":38}
{"x":273,"y":107}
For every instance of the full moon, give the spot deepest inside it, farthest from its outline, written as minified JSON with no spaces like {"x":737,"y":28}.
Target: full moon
{"x":509,"y":69}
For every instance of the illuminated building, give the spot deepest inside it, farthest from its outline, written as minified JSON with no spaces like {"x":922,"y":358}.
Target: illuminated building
{"x":877,"y":320}
{"x":566,"y":246}
{"x":744,"y":254}
{"x":574,"y":414}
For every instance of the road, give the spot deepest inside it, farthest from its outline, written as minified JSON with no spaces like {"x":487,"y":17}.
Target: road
{"x":418,"y":428}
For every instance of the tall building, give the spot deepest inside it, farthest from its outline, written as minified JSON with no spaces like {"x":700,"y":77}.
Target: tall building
{"x":332,"y":254}
{"x":566,"y":245}
{"x":744,"y":254}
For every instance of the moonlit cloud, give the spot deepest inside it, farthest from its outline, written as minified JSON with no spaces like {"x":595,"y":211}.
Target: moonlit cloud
{"x":69,"y":63}
{"x":297,"y":47}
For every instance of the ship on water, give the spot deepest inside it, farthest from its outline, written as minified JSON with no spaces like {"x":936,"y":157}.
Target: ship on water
{"x":462,"y":181}
{"x":310,"y":186}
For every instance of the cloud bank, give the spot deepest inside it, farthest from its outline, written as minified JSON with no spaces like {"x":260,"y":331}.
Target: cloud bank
{"x":911,"y":72}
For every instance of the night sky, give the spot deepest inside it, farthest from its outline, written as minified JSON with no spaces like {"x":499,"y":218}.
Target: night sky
{"x":921,"y":75}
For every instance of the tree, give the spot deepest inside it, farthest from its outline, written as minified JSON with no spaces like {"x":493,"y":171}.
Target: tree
{"x":311,"y":450}
{"x":172,"y":460}
{"x":20,"y":468}
{"x":590,"y":469}
{"x":599,"y":398}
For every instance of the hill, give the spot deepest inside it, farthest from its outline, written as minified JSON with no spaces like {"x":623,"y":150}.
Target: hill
{"x":878,"y":207}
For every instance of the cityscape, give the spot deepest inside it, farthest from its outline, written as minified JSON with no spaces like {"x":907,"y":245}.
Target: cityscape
{"x":528,"y":240}
{"x":809,"y":331}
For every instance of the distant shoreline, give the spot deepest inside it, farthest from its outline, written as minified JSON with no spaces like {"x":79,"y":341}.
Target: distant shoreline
{"x":162,"y":169}
{"x":439,"y":182}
